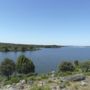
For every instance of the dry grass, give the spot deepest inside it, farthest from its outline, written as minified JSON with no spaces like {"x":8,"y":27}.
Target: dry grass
{"x":77,"y":86}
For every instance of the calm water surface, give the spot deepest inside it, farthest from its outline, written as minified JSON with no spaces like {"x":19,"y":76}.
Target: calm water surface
{"x":47,"y":60}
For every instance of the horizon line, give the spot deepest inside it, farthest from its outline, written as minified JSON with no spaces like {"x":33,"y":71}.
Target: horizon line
{"x":45,"y":44}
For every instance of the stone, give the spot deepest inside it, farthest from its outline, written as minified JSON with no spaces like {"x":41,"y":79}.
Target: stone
{"x":23,"y":82}
{"x":77,"y":77}
{"x":62,"y":85}
{"x":83,"y":83}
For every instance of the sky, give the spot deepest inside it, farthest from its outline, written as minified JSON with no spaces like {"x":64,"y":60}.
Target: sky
{"x":60,"y":22}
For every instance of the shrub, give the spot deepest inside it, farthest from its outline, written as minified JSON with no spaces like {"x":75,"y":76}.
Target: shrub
{"x":76,"y":62}
{"x":15,"y":80}
{"x":7,"y":67}
{"x":24,"y":65}
{"x":85,"y":66}
{"x":66,"y":66}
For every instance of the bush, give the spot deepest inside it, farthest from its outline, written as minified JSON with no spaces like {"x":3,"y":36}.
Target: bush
{"x":76,"y":62}
{"x":7,"y":67}
{"x":43,"y":76}
{"x":66,"y":66}
{"x":24,"y":65}
{"x":31,"y":78}
{"x":85,"y":66}
{"x":15,"y":80}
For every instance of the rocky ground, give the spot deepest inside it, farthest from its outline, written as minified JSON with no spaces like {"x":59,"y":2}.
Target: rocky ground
{"x":76,"y":82}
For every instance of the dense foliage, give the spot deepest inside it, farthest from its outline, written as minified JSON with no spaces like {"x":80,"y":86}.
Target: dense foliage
{"x":85,"y":66}
{"x":66,"y":66}
{"x":24,"y":65}
{"x":76,"y":62}
{"x":7,"y":67}
{"x":69,"y":68}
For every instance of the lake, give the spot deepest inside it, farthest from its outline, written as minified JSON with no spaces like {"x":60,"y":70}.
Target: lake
{"x":47,"y":59}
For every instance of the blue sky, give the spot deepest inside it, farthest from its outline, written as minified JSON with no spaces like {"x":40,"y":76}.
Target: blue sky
{"x":61,"y":22}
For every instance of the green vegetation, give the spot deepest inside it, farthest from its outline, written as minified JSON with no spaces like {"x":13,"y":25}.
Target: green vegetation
{"x":76,"y":62}
{"x":24,"y":65}
{"x":6,"y":47}
{"x":70,"y":68}
{"x":85,"y":66}
{"x":66,"y":66}
{"x":7,"y":67}
{"x":24,"y":69}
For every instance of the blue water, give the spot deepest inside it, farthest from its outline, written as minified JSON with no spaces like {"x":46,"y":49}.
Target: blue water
{"x":47,"y":60}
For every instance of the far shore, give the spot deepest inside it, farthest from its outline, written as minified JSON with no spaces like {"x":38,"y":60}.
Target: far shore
{"x":6,"y":47}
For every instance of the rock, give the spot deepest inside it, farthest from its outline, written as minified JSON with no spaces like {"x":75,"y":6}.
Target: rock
{"x":62,"y":85}
{"x":7,"y":86}
{"x":83,"y":83}
{"x":53,"y":74}
{"x":18,"y":84}
{"x":54,"y":88}
{"x":22,"y":82}
{"x":21,"y":87}
{"x":30,"y":82}
{"x":11,"y":88}
{"x":78,"y":77}
{"x":40,"y":83}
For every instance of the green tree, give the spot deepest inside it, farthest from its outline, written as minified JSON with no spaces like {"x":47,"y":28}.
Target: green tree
{"x":24,"y":65}
{"x":76,"y":62}
{"x":5,"y":49}
{"x":15,"y":49}
{"x":7,"y":67}
{"x":66,"y":66}
{"x":23,"y":49}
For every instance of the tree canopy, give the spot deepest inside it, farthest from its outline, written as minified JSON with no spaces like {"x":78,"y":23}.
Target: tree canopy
{"x":24,"y":65}
{"x":7,"y":67}
{"x":66,"y":66}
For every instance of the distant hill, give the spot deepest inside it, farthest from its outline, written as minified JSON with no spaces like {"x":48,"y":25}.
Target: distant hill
{"x":23,"y":47}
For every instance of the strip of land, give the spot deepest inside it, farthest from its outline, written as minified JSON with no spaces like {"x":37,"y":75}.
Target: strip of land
{"x":5,"y":47}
